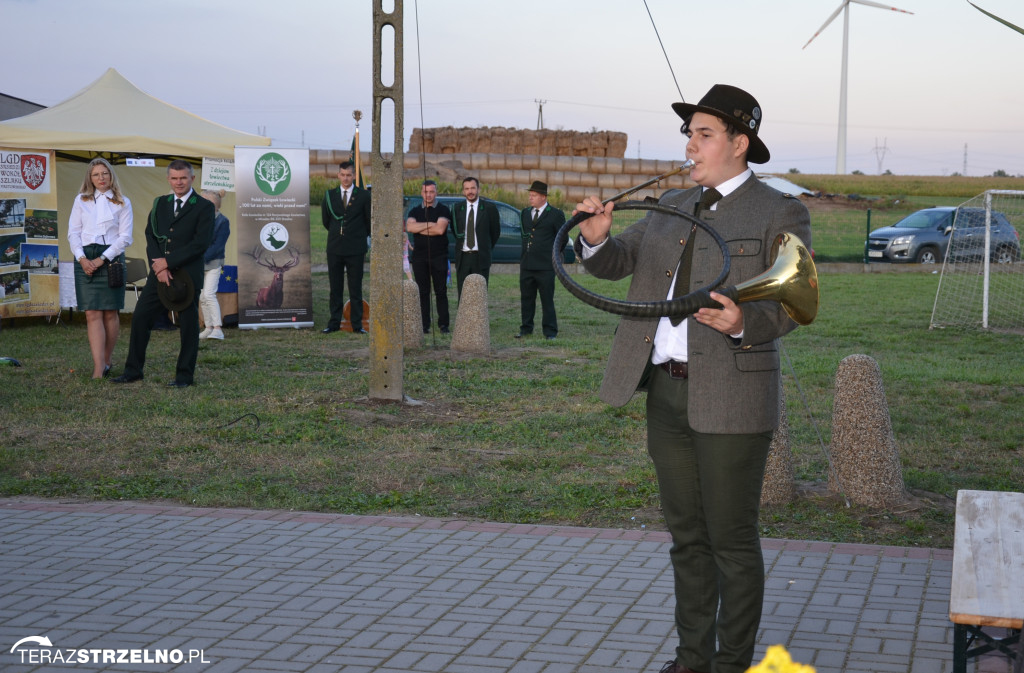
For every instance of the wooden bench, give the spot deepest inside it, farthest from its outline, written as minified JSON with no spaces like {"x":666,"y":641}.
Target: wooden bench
{"x":988,"y":575}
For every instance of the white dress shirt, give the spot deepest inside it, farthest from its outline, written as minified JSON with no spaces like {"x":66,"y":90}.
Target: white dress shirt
{"x":471,"y":206}
{"x":184,"y":200}
{"x":100,"y":220}
{"x":670,"y":341}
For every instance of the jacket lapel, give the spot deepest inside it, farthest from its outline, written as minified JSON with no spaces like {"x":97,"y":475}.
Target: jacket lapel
{"x":339,"y":203}
{"x":166,"y":205}
{"x":460,"y":219}
{"x":163,"y":211}
{"x":543,"y":214}
{"x":356,"y":193}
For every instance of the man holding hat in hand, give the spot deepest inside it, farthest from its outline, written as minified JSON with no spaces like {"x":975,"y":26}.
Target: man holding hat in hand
{"x":712,"y":379}
{"x":178,"y":232}
{"x":540,"y":223}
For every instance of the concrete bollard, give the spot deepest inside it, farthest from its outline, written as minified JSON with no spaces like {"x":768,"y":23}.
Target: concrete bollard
{"x":778,"y":487}
{"x":865,"y":461}
{"x":412,"y":321}
{"x":472,"y":326}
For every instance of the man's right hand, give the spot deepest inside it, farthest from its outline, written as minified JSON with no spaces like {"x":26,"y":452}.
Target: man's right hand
{"x":595,"y":229}
{"x":164,"y":276}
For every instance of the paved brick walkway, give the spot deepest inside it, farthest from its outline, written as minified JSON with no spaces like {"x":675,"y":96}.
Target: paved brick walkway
{"x":260,"y":591}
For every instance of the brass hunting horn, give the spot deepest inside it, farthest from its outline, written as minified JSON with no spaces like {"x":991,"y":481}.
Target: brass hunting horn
{"x":792,"y":279}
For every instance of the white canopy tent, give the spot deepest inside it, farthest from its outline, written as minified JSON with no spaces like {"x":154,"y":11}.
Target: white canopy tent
{"x":115,"y":119}
{"x":113,"y":115}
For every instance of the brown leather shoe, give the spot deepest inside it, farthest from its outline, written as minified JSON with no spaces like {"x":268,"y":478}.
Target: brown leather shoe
{"x":673,"y":667}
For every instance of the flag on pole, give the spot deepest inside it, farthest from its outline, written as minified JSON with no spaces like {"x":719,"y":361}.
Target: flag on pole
{"x":356,"y":159}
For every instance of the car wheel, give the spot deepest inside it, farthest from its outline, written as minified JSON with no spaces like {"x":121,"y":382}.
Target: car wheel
{"x":927,"y":255}
{"x":1005,"y":255}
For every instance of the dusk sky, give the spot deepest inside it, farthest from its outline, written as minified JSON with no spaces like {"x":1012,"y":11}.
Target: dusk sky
{"x":928,"y":92}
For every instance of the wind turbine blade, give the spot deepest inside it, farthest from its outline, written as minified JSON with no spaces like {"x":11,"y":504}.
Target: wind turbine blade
{"x":830,"y":20}
{"x":880,"y":5}
{"x":990,"y":14}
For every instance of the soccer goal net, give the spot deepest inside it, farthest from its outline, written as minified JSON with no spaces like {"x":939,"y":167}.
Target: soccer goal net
{"x":982,"y":280}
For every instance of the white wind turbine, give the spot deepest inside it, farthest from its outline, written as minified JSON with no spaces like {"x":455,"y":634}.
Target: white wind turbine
{"x":844,"y":7}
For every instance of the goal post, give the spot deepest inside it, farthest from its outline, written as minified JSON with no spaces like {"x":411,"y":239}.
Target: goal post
{"x":982,"y":279}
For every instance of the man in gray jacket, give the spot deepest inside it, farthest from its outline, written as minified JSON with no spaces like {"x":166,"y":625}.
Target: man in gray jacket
{"x":713,"y":379}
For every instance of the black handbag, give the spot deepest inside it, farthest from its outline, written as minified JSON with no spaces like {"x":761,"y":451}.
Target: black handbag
{"x":115,"y":274}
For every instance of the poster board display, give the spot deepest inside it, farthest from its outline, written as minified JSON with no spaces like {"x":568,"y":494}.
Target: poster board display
{"x":30,"y":232}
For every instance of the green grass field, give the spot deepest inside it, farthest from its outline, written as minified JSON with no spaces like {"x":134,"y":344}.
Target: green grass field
{"x":282,"y":419}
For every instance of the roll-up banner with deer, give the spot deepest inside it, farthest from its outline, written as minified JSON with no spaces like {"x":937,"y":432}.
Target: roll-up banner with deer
{"x":274,"y":272}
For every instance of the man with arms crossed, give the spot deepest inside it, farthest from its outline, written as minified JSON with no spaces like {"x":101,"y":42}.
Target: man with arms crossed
{"x":712,"y":380}
{"x":428,"y":223}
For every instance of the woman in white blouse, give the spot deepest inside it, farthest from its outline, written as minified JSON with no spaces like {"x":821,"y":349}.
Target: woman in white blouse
{"x":99,"y":231}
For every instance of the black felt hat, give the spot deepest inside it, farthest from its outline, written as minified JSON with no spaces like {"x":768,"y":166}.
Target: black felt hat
{"x":735,"y":106}
{"x":539,"y":187}
{"x":179,"y":294}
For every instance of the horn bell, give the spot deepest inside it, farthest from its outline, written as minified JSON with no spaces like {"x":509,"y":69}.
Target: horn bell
{"x":792,"y":280}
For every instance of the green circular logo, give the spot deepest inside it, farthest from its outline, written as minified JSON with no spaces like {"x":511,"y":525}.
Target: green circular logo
{"x":273,"y":174}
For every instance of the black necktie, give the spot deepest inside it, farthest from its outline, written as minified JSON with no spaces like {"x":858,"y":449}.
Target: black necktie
{"x":177,"y":207}
{"x":470,"y":229}
{"x":709,"y":198}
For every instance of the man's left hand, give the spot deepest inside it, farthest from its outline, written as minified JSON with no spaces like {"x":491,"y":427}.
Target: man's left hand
{"x":159,"y":264}
{"x":727,"y":320}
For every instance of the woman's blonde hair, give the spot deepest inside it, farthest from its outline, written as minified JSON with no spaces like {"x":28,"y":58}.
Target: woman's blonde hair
{"x":213,"y":196}
{"x":88,"y":190}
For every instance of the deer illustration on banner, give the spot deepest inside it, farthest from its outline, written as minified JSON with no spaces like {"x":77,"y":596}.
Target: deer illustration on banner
{"x":272,"y":296}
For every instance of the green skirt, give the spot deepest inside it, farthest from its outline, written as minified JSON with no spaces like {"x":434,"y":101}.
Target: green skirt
{"x":91,"y":292}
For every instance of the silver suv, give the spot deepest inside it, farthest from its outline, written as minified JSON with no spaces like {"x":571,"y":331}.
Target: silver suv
{"x":923,"y":237}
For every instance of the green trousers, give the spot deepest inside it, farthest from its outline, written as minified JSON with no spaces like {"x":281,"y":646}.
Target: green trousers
{"x":710,"y":489}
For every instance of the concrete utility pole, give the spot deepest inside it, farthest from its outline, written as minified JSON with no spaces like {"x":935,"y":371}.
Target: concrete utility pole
{"x":386,"y":346}
{"x":540,"y":113}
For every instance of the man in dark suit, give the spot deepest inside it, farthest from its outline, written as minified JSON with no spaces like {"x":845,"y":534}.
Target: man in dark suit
{"x":178,"y":232}
{"x":712,"y":379}
{"x":345,"y":213}
{"x":540,"y":224}
{"x":477,"y":226}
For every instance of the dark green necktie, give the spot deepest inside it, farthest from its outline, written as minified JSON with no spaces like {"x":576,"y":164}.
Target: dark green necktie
{"x":470,"y":229}
{"x":709,"y":198}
